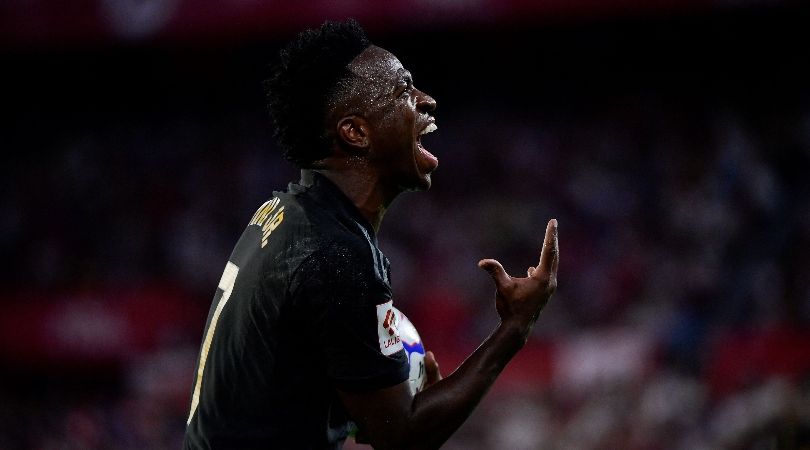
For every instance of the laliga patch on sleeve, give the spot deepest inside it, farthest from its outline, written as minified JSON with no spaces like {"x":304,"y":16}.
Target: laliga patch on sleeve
{"x":387,"y":321}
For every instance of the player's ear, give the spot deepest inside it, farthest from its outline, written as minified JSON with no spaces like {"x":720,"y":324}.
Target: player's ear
{"x":352,"y":131}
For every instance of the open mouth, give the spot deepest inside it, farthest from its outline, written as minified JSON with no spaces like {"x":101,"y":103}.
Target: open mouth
{"x":426,"y":161}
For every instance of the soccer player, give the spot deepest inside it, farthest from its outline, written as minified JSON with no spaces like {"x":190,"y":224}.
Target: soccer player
{"x":299,"y":344}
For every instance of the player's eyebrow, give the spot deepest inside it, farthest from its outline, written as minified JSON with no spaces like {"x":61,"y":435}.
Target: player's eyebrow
{"x":404,"y":74}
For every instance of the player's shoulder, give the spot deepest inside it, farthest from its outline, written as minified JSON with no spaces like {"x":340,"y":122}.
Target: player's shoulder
{"x":273,"y":221}
{"x":344,"y":252}
{"x":313,"y":222}
{"x":291,"y":222}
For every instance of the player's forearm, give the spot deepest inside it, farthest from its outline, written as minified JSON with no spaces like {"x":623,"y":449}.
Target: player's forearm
{"x":438,"y":411}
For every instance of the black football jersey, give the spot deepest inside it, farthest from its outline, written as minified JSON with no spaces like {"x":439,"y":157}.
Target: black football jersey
{"x":303,"y":308}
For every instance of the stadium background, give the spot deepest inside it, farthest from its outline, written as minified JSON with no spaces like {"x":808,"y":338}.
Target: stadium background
{"x":671,"y":139}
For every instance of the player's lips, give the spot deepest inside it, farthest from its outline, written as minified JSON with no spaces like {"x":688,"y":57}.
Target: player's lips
{"x":425,"y":160}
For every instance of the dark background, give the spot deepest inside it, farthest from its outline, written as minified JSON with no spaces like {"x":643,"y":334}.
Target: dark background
{"x":670,"y":139}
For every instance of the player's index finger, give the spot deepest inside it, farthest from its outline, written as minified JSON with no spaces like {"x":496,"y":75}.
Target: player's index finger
{"x":550,"y":249}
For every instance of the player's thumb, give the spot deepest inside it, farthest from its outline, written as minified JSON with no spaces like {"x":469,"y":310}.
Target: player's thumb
{"x":432,"y":369}
{"x":495,"y":270}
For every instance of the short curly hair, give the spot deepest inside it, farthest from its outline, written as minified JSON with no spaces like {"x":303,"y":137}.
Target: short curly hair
{"x":307,"y":75}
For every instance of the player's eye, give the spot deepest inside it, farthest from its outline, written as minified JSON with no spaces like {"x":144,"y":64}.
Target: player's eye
{"x":402,"y":89}
{"x":404,"y":86}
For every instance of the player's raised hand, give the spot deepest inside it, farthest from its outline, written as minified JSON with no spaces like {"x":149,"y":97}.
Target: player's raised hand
{"x":520,"y":300}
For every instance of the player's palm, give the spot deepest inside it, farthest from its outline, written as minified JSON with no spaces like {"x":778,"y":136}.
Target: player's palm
{"x":520,"y":300}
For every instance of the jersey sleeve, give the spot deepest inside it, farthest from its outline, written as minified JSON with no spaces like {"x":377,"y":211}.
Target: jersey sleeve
{"x":343,"y":291}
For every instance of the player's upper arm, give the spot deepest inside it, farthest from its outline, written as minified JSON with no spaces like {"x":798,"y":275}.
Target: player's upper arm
{"x":345,"y":302}
{"x":382,"y":415}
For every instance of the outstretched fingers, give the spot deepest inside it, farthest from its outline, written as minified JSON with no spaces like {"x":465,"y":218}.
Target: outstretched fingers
{"x":549,"y":260}
{"x":496,"y":271}
{"x":550,"y":255}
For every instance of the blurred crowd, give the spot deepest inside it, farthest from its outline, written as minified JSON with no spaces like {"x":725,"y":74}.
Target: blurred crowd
{"x":681,"y":319}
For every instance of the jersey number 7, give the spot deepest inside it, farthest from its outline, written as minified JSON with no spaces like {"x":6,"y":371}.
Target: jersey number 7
{"x":226,"y":286}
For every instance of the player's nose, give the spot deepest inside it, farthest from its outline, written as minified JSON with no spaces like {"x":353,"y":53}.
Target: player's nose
{"x":424,"y":102}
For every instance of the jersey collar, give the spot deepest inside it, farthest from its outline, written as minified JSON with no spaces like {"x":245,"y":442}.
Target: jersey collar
{"x":331,"y":197}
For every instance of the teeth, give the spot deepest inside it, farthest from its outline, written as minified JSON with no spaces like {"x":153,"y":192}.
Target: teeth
{"x":429,"y":129}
